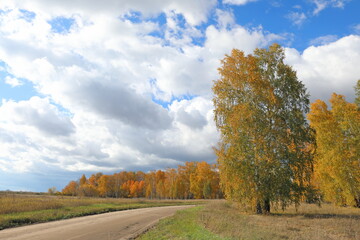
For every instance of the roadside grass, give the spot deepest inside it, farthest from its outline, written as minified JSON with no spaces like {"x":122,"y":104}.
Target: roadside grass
{"x":309,"y":221}
{"x":220,"y":219}
{"x":183,"y":225}
{"x":21,"y":209}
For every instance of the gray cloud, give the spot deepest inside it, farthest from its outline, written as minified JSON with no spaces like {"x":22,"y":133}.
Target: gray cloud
{"x":38,"y":113}
{"x":193,"y":119}
{"x":122,"y":104}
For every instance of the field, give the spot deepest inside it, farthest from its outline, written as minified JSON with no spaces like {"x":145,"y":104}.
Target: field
{"x":217,"y":219}
{"x":22,"y":209}
{"x":221,"y":220}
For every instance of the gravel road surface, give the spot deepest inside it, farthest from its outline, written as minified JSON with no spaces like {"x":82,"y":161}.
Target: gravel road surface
{"x":108,"y":226}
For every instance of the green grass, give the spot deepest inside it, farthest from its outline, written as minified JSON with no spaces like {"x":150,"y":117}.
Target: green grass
{"x":223,"y":220}
{"x":17,"y":210}
{"x":183,"y":225}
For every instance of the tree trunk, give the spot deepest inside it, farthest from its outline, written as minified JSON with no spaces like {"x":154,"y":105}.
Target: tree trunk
{"x":258,"y":208}
{"x":357,"y":202}
{"x":267,"y":205}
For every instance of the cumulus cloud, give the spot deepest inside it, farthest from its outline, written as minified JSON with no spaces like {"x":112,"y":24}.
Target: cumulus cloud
{"x":122,"y":94}
{"x":222,"y":40}
{"x":99,"y":74}
{"x":14,"y":82}
{"x":194,"y":12}
{"x":37,"y":113}
{"x":225,"y":18}
{"x":328,"y":68}
{"x":193,"y":119}
{"x":120,"y":103}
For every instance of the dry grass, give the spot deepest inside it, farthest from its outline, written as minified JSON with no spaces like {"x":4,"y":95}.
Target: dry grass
{"x":21,"y":209}
{"x":17,"y":203}
{"x":309,"y":222}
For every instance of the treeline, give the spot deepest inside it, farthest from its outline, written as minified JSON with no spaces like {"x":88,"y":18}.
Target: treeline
{"x":337,"y":159}
{"x":198,"y":180}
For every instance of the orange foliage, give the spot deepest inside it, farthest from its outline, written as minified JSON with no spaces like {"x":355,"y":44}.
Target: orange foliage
{"x":199,"y":180}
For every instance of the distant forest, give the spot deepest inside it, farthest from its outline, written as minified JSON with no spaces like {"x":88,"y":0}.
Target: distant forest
{"x":198,"y":180}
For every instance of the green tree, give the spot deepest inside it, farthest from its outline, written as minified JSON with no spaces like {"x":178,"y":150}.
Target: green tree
{"x":260,"y":109}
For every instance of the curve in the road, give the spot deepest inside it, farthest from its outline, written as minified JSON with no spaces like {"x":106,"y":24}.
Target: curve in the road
{"x":109,"y":226}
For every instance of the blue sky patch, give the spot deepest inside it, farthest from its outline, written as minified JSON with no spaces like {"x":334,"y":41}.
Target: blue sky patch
{"x":27,"y":15}
{"x":166,"y":104}
{"x":16,"y":93}
{"x":61,"y":25}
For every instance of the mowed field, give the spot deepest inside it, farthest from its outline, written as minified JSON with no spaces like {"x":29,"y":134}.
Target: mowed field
{"x":24,"y":209}
{"x":223,"y":220}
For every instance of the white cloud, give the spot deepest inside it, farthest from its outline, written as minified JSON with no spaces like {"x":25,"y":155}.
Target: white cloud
{"x":324,"y":40}
{"x":195,"y":12}
{"x":98,"y":79}
{"x":356,"y":28}
{"x":297,"y":18}
{"x":328,"y":68}
{"x":225,"y":18}
{"x":14,"y":82}
{"x":37,"y":113}
{"x":30,"y":130}
{"x":238,"y":2}
{"x":220,"y":41}
{"x":100,"y":73}
{"x":322,"y":4}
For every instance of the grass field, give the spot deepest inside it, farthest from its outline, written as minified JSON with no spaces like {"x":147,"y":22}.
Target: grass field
{"x":183,"y":225}
{"x":221,"y":220}
{"x":22,"y":209}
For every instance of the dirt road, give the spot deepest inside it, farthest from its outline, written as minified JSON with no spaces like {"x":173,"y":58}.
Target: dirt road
{"x":116,"y":225}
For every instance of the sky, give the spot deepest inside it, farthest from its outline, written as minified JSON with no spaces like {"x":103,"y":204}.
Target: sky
{"x":92,"y":86}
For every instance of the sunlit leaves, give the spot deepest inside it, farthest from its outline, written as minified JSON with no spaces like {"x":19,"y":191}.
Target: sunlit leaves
{"x":259,"y":110}
{"x":338,"y":149}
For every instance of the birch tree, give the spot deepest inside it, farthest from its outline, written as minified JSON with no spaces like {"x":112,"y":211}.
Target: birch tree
{"x":260,"y":108}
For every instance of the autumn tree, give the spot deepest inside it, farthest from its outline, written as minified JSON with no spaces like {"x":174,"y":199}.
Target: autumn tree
{"x":260,"y":109}
{"x":172,"y":183}
{"x":204,"y":181}
{"x":106,"y":186}
{"x":337,"y":165}
{"x":84,"y":187}
{"x":160,"y":184}
{"x":71,"y":189}
{"x":171,"y":177}
{"x":52,"y":191}
{"x":94,"y":179}
{"x":183,"y":180}
{"x":150,"y":181}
